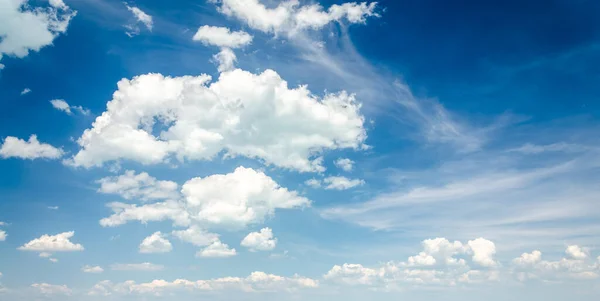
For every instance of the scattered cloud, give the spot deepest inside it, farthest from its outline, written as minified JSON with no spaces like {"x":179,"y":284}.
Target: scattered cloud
{"x":260,"y":241}
{"x":43,"y":25}
{"x":344,"y":163}
{"x":25,"y":91}
{"x":146,"y":266}
{"x":140,"y":17}
{"x":92,"y":269}
{"x":155,"y":243}
{"x":53,"y":207}
{"x":14,"y":147}
{"x":196,"y":236}
{"x":222,"y":37}
{"x":531,"y":267}
{"x":139,"y":186}
{"x":341,"y":183}
{"x":52,"y":243}
{"x":51,"y":289}
{"x":216,"y":249}
{"x":3,"y":235}
{"x":62,"y":105}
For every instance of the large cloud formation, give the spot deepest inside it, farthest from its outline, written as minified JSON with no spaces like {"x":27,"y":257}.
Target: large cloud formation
{"x":152,"y":118}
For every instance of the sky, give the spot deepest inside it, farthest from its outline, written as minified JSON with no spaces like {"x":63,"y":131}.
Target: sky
{"x":299,"y":150}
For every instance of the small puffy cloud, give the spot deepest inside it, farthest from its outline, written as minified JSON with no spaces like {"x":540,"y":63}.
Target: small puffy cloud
{"x":483,"y":252}
{"x":139,"y":186}
{"x":25,"y":91}
{"x":241,"y":114}
{"x":344,"y":163}
{"x":341,"y":183}
{"x":217,"y":249}
{"x":155,"y":243}
{"x":260,"y":241}
{"x":140,"y":17}
{"x":14,"y":147}
{"x":353,"y":274}
{"x":3,"y":235}
{"x":233,"y":200}
{"x":576,"y":252}
{"x":528,"y":259}
{"x":222,"y":37}
{"x":62,"y":105}
{"x":146,"y":266}
{"x":53,"y":243}
{"x":314,"y":183}
{"x":290,"y":17}
{"x":45,"y":254}
{"x":43,"y":25}
{"x":196,"y":236}
{"x":92,"y":269}
{"x":225,"y":60}
{"x":51,"y":289}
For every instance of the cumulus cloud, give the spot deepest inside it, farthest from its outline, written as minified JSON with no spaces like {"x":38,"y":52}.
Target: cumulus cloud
{"x":483,"y":252}
{"x":145,"y":266}
{"x":260,"y":241}
{"x":51,"y":289}
{"x":222,"y":37}
{"x":140,"y":186}
{"x":241,"y":114}
{"x":314,"y":183}
{"x":92,"y":269}
{"x":531,"y":266}
{"x":225,"y":60}
{"x":25,"y":91}
{"x":217,"y":249}
{"x":255,"y":282}
{"x":344,"y":163}
{"x":233,"y":200}
{"x":62,"y":105}
{"x":341,"y":183}
{"x":196,"y":236}
{"x":53,"y":243}
{"x":155,"y":243}
{"x":43,"y":24}
{"x":14,"y":147}
{"x":290,"y":17}
{"x":576,"y":252}
{"x":140,"y":17}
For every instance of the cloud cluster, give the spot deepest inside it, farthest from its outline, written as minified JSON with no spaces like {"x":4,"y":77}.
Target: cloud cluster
{"x":43,"y":24}
{"x":139,"y":187}
{"x":14,"y":147}
{"x":577,"y":265}
{"x":46,"y":244}
{"x":52,"y":289}
{"x":255,"y":282}
{"x":241,"y":114}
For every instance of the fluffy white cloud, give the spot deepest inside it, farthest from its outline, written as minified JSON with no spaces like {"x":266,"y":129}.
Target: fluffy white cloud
{"x":145,"y":266}
{"x":25,"y":91}
{"x":156,"y":243}
{"x":255,"y":282}
{"x":43,"y":25}
{"x":196,"y":236}
{"x":14,"y":147}
{"x":241,"y":114}
{"x":92,"y":269}
{"x":314,"y":183}
{"x":341,"y":183}
{"x":51,"y":289}
{"x":140,"y":17}
{"x":225,"y":60}
{"x":139,"y":186}
{"x":222,"y":37}
{"x":3,"y":235}
{"x":260,"y":241}
{"x":217,"y":249}
{"x":290,"y":17}
{"x":344,"y":163}
{"x":530,"y":266}
{"x":483,"y":252}
{"x":354,"y":274}
{"x":62,"y":105}
{"x":52,"y":243}
{"x":234,"y":200}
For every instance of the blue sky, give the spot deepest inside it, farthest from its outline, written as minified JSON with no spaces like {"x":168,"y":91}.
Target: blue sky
{"x":299,"y":150}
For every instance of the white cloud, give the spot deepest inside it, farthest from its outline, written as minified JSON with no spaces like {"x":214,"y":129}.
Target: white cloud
{"x":216,"y":249}
{"x":233,"y":200}
{"x":222,"y":37}
{"x":156,"y":243}
{"x":290,"y":17}
{"x":532,"y":149}
{"x":145,"y":266}
{"x":196,"y":236}
{"x":353,"y":274}
{"x":14,"y":147}
{"x":225,"y":60}
{"x":140,"y":17}
{"x":43,"y":26}
{"x":92,"y":269}
{"x":314,"y":183}
{"x":53,"y":207}
{"x":241,"y":114}
{"x":576,"y":252}
{"x":25,"y":91}
{"x":483,"y":252}
{"x":341,"y":183}
{"x":45,"y":254}
{"x":260,"y":241}
{"x":62,"y":105}
{"x":3,"y":235}
{"x":254,"y":283}
{"x":51,"y":289}
{"x":344,"y":163}
{"x":530,"y":266}
{"x":3,"y":224}
{"x":139,"y":186}
{"x":52,"y":243}
{"x":53,"y":260}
